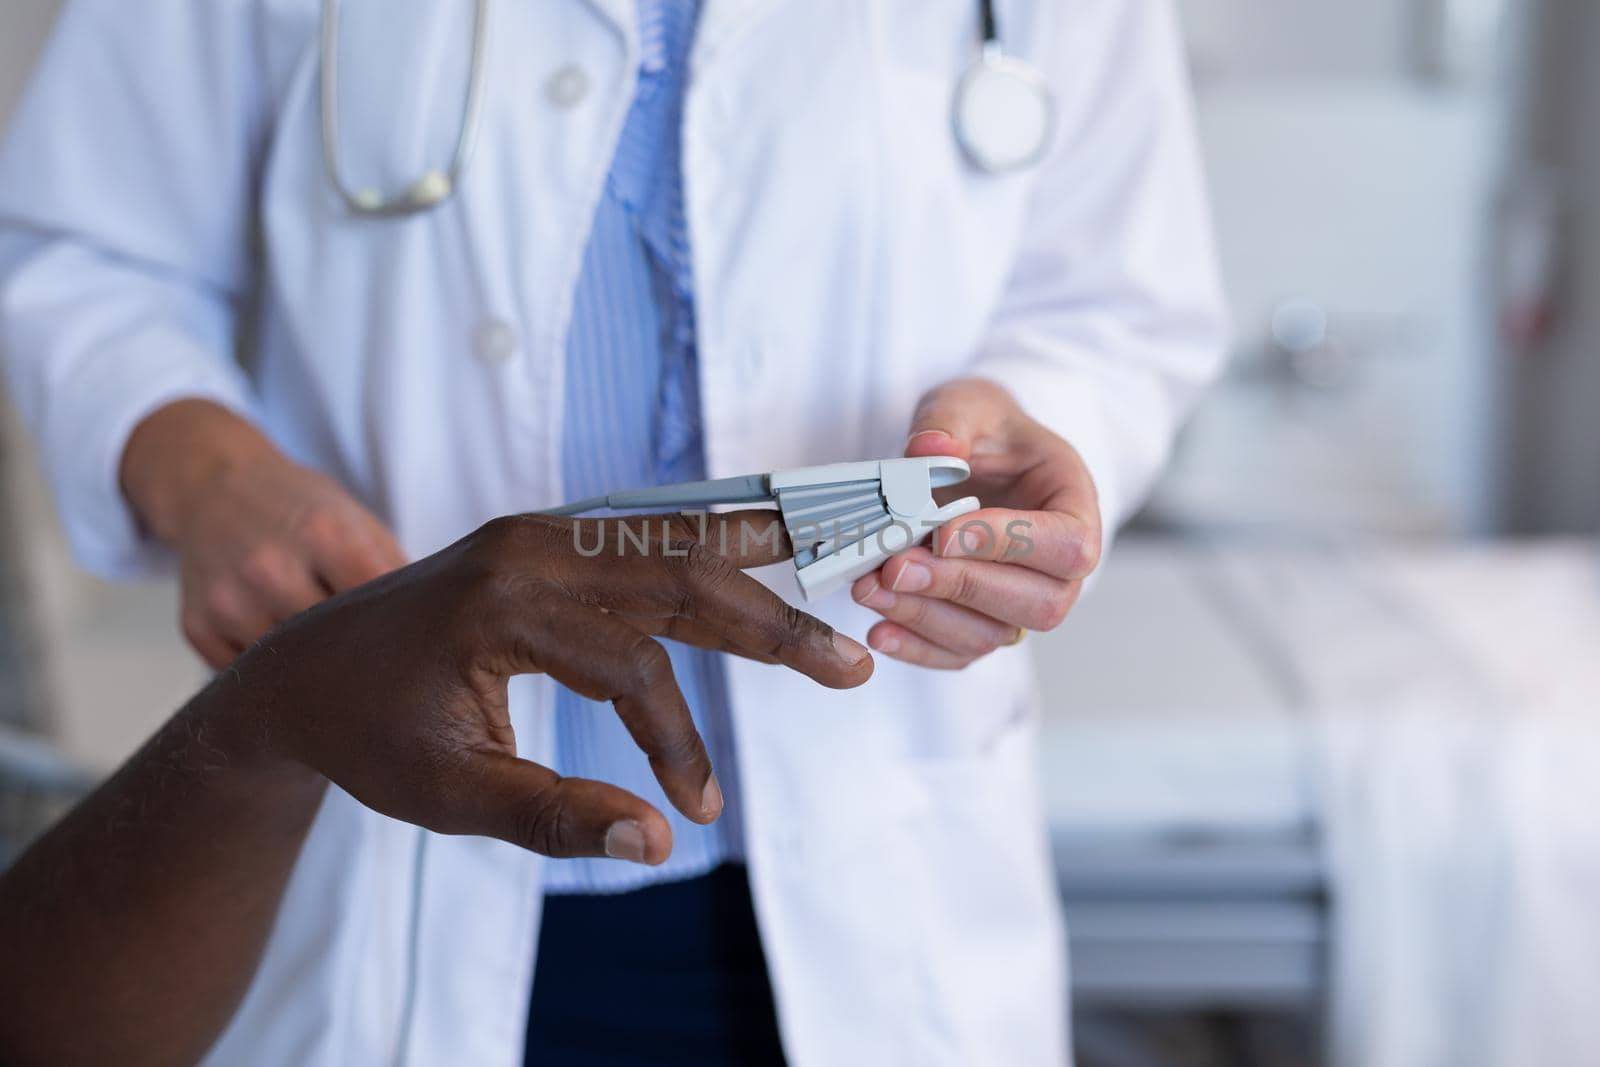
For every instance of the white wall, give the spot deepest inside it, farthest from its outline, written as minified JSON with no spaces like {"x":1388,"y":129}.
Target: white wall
{"x":1349,"y":171}
{"x":1299,"y":40}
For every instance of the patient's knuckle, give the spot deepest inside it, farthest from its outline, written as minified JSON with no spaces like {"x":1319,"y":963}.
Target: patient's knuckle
{"x":679,"y":532}
{"x":682,"y":748}
{"x":797,"y":626}
{"x":651,"y":666}
{"x":706,"y":571}
{"x":545,"y":824}
{"x":500,"y":536}
{"x":521,"y":540}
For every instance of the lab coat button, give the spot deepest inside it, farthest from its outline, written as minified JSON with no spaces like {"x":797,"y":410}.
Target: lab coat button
{"x":567,"y":87}
{"x":496,"y":342}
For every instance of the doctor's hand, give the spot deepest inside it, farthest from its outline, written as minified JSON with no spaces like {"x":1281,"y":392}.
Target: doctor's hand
{"x":1017,"y":564}
{"x":396,"y":691}
{"x":258,"y":538}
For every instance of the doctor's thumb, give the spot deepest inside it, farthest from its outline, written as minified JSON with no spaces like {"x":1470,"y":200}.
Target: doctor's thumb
{"x":961,"y":419}
{"x":498,"y":795}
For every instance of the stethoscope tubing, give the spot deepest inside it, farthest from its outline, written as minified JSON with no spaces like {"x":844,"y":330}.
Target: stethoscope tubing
{"x":434,"y":187}
{"x":423,"y":194}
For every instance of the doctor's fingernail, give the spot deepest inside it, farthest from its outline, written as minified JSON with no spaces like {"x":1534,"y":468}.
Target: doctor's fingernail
{"x":852,"y":652}
{"x":913,"y":578}
{"x":877,"y":597}
{"x":988,"y":446}
{"x":625,"y":841}
{"x":711,"y":798}
{"x":925,"y":433}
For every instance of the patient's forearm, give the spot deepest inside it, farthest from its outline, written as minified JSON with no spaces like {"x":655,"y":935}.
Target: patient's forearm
{"x":130,"y":931}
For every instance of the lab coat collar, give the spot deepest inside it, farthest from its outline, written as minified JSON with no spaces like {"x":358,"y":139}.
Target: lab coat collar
{"x":623,"y":14}
{"x":719,"y":20}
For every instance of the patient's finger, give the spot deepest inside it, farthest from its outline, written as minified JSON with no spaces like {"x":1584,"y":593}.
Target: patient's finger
{"x":750,"y":538}
{"x":531,"y":806}
{"x":602,"y":658}
{"x":660,"y":567}
{"x":699,"y":584}
{"x":689,"y":632}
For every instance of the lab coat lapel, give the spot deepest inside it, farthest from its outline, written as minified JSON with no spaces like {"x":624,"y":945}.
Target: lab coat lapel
{"x":720,"y":20}
{"x":623,"y":14}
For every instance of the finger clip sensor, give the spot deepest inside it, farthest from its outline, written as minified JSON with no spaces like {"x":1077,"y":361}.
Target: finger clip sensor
{"x":843,"y":519}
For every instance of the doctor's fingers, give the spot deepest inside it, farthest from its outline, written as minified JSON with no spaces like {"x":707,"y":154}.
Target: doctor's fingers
{"x":1014,"y":595}
{"x":353,"y":553}
{"x":899,"y":643}
{"x":498,"y":795}
{"x":960,"y":630}
{"x":209,"y":644}
{"x":971,"y":417}
{"x":603,"y":658}
{"x":221,"y":617}
{"x":1054,"y":543}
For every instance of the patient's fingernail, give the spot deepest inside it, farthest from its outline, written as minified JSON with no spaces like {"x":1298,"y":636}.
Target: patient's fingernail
{"x":711,"y":798}
{"x":852,"y":652}
{"x":625,"y":841}
{"x":913,"y":578}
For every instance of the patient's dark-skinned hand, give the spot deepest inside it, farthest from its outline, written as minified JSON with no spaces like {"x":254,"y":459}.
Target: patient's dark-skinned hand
{"x":130,"y":931}
{"x":397,"y":691}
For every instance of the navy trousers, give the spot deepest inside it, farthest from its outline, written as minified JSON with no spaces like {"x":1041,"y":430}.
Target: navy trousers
{"x":668,"y":974}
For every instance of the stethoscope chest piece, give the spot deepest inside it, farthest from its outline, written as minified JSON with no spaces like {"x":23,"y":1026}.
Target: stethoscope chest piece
{"x":1004,"y":112}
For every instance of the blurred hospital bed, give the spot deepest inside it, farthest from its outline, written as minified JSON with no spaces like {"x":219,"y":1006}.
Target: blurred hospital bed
{"x":1352,"y":781}
{"x":1179,"y":795}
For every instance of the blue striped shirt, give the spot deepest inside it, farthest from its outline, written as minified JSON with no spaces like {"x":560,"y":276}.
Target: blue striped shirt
{"x":632,"y":419}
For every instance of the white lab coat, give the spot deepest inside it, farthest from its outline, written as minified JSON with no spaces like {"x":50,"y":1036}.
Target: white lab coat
{"x":162,"y":194}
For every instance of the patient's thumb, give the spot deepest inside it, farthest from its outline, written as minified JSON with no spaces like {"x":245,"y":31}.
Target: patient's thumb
{"x":534,"y":808}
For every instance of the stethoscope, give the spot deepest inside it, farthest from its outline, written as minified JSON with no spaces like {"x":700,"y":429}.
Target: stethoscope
{"x":434,"y":186}
{"x":1003,"y":116}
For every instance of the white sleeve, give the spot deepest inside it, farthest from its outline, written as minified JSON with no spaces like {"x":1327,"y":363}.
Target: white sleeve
{"x":1113,"y":320}
{"x":126,"y":190}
